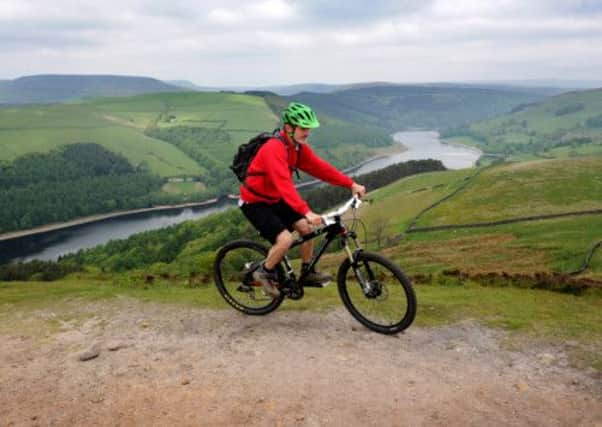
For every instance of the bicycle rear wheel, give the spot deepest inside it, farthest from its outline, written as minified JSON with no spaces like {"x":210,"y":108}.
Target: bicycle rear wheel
{"x":233,"y":268}
{"x":377,"y":293}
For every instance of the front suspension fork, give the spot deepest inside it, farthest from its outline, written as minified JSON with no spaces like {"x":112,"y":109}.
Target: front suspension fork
{"x":354,"y":259}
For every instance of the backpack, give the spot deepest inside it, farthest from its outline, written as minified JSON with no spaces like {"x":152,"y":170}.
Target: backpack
{"x":246,"y":152}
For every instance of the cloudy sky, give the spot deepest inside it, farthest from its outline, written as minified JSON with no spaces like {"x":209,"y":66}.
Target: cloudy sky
{"x":268,"y":42}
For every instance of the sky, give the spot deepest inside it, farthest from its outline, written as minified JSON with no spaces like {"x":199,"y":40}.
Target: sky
{"x":273,"y":42}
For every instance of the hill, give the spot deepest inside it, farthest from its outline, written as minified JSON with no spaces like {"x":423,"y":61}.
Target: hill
{"x":397,"y":107}
{"x":544,"y":88}
{"x":547,"y":189}
{"x":566,"y":125}
{"x":186,"y":137}
{"x":51,"y":88}
{"x":173,"y":134}
{"x":549,"y":246}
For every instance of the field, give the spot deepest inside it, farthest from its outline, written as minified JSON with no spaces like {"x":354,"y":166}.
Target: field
{"x":567,"y":125}
{"x":119,"y":124}
{"x":43,"y":129}
{"x":183,"y":188}
{"x":508,"y":191}
{"x":240,"y":116}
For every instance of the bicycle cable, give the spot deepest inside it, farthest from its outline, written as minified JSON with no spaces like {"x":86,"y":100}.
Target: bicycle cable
{"x":356,"y":220}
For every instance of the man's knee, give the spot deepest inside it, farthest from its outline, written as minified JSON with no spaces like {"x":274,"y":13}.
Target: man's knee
{"x":284,"y":239}
{"x":303,"y":227}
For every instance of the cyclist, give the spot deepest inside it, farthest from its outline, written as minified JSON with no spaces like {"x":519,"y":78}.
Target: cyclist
{"x":270,"y":201}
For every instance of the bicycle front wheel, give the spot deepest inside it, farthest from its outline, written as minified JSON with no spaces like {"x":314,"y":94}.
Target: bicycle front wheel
{"x":377,"y":293}
{"x":233,"y":268}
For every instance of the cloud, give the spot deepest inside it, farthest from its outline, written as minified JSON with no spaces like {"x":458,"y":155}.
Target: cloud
{"x":353,"y":12}
{"x":287,"y":41}
{"x":253,"y":14}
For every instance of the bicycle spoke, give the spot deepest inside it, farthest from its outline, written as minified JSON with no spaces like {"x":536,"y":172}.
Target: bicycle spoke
{"x":233,"y":268}
{"x":377,"y":294}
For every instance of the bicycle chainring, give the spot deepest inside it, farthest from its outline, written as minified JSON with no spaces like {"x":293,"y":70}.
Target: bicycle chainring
{"x":291,"y":289}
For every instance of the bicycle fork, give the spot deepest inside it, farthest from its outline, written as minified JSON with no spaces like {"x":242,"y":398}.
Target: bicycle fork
{"x":367,"y":285}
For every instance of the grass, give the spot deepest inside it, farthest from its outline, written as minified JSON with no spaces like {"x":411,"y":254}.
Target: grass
{"x":119,"y":123}
{"x":558,"y":245}
{"x":529,"y":315}
{"x":568,"y":151}
{"x":183,"y":188}
{"x":241,"y":116}
{"x":401,"y":201}
{"x":505,"y":191}
{"x":545,"y":124}
{"x":524,"y":189}
{"x":24,"y":131}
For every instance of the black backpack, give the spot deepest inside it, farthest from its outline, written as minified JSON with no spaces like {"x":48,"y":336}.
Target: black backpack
{"x":246,"y":153}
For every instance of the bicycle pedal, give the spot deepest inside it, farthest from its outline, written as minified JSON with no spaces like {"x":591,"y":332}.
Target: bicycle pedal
{"x":316,"y":285}
{"x":244,"y":288}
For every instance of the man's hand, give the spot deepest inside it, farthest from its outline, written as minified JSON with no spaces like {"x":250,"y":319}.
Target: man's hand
{"x":358,"y":189}
{"x":313,"y":218}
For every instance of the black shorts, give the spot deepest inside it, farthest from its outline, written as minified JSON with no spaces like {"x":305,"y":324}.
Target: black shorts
{"x":271,"y":219}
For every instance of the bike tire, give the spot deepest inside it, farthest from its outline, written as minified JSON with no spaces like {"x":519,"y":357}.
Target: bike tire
{"x":229,"y":271}
{"x":388,"y":313}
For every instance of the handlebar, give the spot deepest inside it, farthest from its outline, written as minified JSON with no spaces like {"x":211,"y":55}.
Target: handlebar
{"x":331,"y":217}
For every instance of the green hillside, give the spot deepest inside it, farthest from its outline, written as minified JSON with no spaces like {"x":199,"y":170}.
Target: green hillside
{"x":567,"y":125}
{"x":395,"y":107}
{"x":524,"y":189}
{"x":41,"y":129}
{"x":119,"y":124}
{"x":550,"y":246}
{"x":498,"y":193}
{"x":181,"y":134}
{"x":44,"y":89}
{"x":172,"y":134}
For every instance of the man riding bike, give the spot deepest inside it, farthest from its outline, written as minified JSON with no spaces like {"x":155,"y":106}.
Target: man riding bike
{"x":270,"y":201}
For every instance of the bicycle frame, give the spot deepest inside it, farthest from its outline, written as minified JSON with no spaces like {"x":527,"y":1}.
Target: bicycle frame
{"x":332,"y":231}
{"x":376,"y":275}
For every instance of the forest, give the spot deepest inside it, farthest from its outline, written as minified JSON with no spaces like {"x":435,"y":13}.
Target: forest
{"x":74,"y":181}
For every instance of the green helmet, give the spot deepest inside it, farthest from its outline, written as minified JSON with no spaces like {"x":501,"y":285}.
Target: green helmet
{"x":300,"y":115}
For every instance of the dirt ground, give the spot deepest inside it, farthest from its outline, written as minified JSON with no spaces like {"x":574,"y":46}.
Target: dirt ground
{"x":164,"y":365}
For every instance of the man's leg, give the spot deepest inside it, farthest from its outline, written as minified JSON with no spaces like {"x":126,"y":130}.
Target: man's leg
{"x":265,"y":274}
{"x":307,"y":248}
{"x":281,"y":246}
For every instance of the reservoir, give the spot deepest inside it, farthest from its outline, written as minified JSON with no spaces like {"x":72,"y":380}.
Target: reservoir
{"x":51,"y":245}
{"x":425,"y":145}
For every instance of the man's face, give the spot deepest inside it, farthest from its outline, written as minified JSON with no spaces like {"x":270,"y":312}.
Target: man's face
{"x":300,"y":134}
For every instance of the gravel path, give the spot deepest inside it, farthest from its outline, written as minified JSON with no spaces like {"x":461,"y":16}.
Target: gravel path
{"x":127,"y":362}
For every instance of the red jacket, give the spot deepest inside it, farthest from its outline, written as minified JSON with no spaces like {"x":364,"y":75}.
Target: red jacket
{"x":275,"y":162}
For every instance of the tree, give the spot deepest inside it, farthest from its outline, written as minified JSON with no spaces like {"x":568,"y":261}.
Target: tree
{"x":379,"y":228}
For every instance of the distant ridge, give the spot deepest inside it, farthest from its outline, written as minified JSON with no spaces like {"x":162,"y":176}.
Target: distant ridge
{"x":538,"y":88}
{"x":187,"y":84}
{"x":51,"y":88}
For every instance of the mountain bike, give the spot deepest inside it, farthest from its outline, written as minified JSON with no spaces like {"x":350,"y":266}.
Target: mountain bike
{"x":374,"y":289}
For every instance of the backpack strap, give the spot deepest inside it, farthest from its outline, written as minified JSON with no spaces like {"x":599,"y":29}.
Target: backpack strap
{"x":296,"y":169}
{"x":275,"y":134}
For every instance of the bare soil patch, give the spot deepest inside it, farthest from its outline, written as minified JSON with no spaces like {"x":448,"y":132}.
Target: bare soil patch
{"x":159,"y":364}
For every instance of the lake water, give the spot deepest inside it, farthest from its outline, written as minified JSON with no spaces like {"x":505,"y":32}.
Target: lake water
{"x":51,"y":245}
{"x":425,"y":145}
